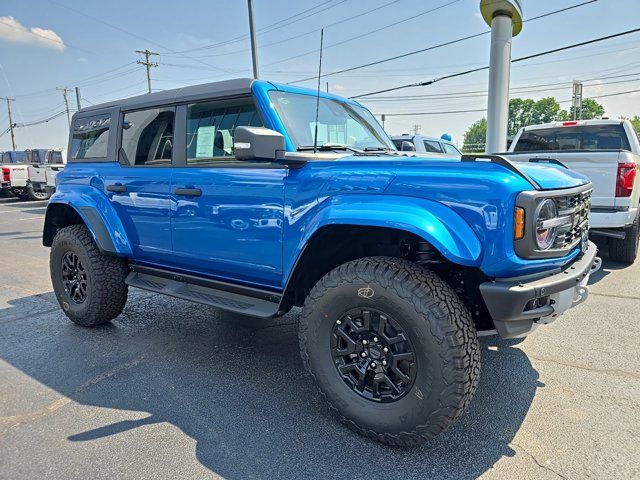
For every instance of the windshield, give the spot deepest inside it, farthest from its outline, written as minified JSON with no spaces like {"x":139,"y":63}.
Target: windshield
{"x":592,"y":137}
{"x":339,"y":123}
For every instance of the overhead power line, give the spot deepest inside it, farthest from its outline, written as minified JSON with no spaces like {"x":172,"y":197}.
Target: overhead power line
{"x":267,"y":28}
{"x":440,"y":45}
{"x":308,"y":32}
{"x":135,"y":35}
{"x":370,"y":32}
{"x":415,"y":114}
{"x":521,"y":59}
{"x":544,"y":87}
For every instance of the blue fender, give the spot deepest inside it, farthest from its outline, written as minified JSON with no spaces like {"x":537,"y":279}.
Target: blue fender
{"x":436,"y":223}
{"x":96,"y":211}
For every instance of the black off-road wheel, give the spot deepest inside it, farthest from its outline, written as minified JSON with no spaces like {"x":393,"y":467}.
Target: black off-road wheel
{"x":626,"y":250}
{"x":89,"y":286}
{"x":391,"y":348}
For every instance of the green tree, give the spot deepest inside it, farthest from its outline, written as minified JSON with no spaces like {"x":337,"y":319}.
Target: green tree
{"x":590,"y":110}
{"x":635,"y":121}
{"x":525,"y":111}
{"x":475,"y":137}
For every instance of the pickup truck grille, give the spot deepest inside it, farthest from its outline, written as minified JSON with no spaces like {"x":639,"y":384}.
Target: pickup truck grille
{"x":576,"y":206}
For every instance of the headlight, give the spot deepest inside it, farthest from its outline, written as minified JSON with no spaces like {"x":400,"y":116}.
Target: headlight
{"x":546,"y":230}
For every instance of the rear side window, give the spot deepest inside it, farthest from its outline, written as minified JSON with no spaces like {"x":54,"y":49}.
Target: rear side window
{"x":90,"y":137}
{"x":448,"y":148}
{"x":55,"y":157}
{"x":591,"y":137}
{"x":210,"y":128}
{"x":147,"y":137}
{"x":432,"y":146}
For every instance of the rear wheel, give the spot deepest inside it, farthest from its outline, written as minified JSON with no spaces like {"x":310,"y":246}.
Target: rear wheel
{"x":21,"y":193}
{"x":89,"y":286}
{"x":37,"y":194}
{"x":391,"y":348}
{"x":626,"y":249}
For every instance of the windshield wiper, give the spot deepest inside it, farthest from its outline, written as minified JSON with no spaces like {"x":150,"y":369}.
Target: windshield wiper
{"x":327,"y":147}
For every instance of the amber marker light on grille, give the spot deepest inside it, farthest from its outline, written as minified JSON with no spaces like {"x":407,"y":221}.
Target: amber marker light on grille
{"x":518,"y":223}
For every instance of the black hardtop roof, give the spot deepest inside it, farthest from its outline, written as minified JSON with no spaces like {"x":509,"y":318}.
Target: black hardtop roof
{"x":225,"y":88}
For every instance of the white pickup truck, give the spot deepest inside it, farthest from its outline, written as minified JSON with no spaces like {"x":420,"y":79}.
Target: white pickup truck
{"x":41,"y":183}
{"x":606,"y":151}
{"x":31,"y":174}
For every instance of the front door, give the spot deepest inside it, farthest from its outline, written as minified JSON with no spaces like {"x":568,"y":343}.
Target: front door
{"x":139,"y":188}
{"x":228,"y":215}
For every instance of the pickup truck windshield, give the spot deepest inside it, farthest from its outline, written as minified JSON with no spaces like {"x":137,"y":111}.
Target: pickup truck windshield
{"x":339,"y":123}
{"x":586,"y":137}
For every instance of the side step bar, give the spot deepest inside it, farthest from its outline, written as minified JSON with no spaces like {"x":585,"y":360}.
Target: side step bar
{"x":226,"y":300}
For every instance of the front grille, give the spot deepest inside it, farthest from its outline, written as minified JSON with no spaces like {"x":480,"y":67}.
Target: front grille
{"x":576,"y":206}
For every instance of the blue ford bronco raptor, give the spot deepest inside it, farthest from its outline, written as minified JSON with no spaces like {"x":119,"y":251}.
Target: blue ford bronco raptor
{"x":256,"y":198}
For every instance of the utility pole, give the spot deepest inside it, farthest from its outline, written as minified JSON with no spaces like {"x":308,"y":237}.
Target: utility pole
{"x":327,"y":87}
{"x":254,"y":45}
{"x":416,"y":128}
{"x":64,"y":91}
{"x":11,"y":124}
{"x":78,"y":98}
{"x":147,"y":63}
{"x":383,"y":117}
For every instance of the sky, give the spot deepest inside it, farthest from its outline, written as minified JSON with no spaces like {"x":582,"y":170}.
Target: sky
{"x":45,"y":45}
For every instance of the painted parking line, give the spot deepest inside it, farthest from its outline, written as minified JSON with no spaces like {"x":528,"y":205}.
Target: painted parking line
{"x":24,"y":219}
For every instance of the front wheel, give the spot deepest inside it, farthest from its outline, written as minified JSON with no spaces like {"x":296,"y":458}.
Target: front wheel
{"x":391,"y":348}
{"x":89,"y":285}
{"x":626,"y":250}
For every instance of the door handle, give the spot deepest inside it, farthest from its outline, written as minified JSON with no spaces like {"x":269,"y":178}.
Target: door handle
{"x":116,"y":188}
{"x":189,"y":192}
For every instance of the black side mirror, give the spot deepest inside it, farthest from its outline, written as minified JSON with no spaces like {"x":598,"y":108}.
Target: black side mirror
{"x":258,"y":143}
{"x":407,"y":146}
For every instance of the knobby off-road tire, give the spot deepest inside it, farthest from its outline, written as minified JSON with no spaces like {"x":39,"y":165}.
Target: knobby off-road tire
{"x":440,"y":331}
{"x":626,"y":250}
{"x":105,"y":290}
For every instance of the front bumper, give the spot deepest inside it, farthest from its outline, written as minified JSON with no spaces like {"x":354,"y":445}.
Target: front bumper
{"x":518,"y":306}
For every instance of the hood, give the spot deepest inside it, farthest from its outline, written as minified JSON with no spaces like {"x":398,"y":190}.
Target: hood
{"x":552,"y":177}
{"x":547,"y":176}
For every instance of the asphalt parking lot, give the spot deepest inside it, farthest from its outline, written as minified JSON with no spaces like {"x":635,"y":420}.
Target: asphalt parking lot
{"x":176,"y":390}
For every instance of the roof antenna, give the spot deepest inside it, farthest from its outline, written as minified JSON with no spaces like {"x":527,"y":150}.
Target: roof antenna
{"x":315,"y":135}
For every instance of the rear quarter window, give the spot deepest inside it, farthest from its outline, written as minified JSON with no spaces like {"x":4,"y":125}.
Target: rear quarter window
{"x":591,"y":137}
{"x":90,"y":137}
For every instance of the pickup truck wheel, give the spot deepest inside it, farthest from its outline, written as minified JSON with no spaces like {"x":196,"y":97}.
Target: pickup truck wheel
{"x":21,"y":193}
{"x":89,"y":286}
{"x":391,"y":348}
{"x":37,"y":194}
{"x":626,"y":250}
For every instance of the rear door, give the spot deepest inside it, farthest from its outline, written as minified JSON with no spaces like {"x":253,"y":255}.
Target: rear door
{"x":227,"y":218}
{"x":139,"y":185}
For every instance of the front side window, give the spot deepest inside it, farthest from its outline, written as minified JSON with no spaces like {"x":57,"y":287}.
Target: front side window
{"x":432,"y":146}
{"x":210,"y":128}
{"x":147,"y":137}
{"x":589,"y":137}
{"x":339,"y":123}
{"x":90,"y":137}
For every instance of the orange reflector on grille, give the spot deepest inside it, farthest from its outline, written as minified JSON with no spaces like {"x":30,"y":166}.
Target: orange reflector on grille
{"x":518,"y":223}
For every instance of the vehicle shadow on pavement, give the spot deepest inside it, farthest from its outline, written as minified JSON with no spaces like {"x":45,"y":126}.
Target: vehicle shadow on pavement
{"x":237,"y":387}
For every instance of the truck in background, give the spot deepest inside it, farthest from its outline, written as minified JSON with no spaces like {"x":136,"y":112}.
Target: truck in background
{"x":30,"y":174}
{"x":426,"y":146}
{"x":606,"y":151}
